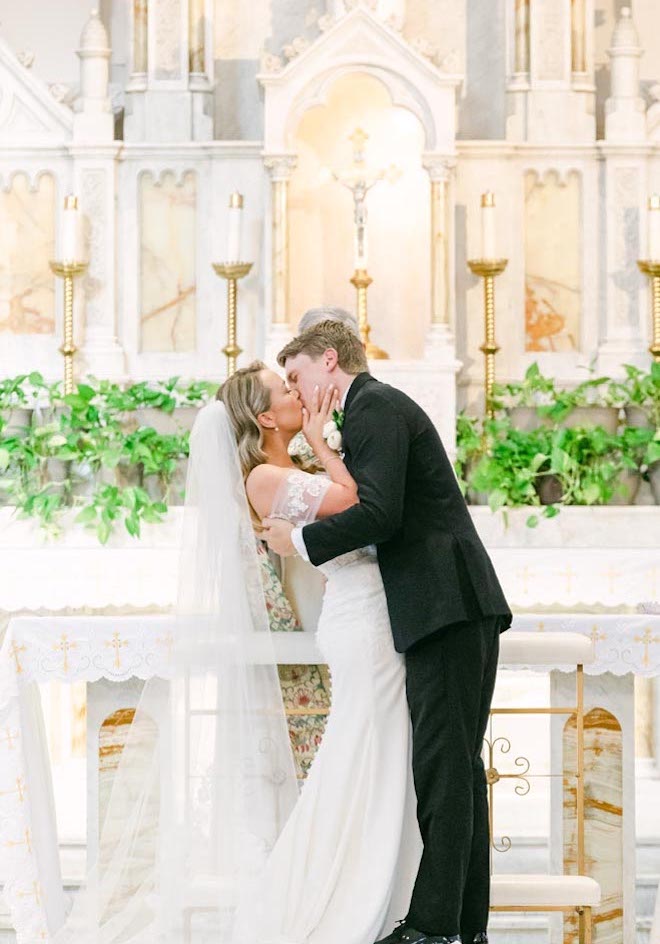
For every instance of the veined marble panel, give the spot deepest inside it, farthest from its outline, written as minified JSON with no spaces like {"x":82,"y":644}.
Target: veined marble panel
{"x":167,"y":38}
{"x":168,"y":219}
{"x":27,"y":242}
{"x":116,"y":798}
{"x":603,"y":808}
{"x":553,"y":262}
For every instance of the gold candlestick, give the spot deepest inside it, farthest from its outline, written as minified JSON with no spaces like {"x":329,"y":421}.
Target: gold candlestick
{"x":488,"y":269}
{"x":232,"y":272}
{"x":68,"y":271}
{"x":362,"y":280}
{"x":652,"y":269}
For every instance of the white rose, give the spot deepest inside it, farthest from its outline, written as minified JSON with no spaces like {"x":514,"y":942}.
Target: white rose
{"x":330,"y":427}
{"x":334,"y":440}
{"x":57,"y":440}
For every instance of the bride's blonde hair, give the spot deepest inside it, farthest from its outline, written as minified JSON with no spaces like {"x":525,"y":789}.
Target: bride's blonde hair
{"x":245,"y":396}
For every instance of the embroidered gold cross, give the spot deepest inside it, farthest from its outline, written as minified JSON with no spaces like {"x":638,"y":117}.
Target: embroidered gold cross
{"x":36,"y":891}
{"x":540,"y":626}
{"x":9,"y":737}
{"x":569,"y":573}
{"x":22,"y":842}
{"x":525,"y":574}
{"x":647,"y":639}
{"x":15,"y":652}
{"x":20,"y":789}
{"x":596,"y":637}
{"x":116,"y":643}
{"x":167,"y":640}
{"x":63,"y":646}
{"x":611,"y":575}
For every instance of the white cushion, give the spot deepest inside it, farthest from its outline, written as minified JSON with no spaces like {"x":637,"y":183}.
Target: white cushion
{"x":539,"y":890}
{"x":545,"y":648}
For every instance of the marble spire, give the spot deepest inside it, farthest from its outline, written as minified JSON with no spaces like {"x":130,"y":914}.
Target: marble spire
{"x":625,"y":118}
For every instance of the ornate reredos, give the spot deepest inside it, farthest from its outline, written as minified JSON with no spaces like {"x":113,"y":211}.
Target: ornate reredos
{"x":29,"y":115}
{"x":358,"y":42}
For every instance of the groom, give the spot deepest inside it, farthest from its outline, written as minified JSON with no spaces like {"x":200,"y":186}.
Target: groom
{"x":446,"y":609}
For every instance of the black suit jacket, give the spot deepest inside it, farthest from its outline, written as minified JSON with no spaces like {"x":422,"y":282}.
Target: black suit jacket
{"x":435,"y":569}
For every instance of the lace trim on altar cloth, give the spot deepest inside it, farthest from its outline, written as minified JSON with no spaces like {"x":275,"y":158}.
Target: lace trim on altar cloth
{"x":299,"y":497}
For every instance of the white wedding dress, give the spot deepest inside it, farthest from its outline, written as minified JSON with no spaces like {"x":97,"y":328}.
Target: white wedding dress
{"x":343,"y":867}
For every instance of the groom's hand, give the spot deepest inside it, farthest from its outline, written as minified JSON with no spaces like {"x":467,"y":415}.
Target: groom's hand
{"x":277,"y":532}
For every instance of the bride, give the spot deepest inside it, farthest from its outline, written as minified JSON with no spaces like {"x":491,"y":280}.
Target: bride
{"x":344,"y":865}
{"x":205,"y":837}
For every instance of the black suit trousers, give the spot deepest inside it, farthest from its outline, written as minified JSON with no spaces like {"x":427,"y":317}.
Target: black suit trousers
{"x":450,"y":682}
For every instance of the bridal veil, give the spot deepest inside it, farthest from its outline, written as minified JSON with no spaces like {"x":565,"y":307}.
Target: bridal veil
{"x":205,"y":780}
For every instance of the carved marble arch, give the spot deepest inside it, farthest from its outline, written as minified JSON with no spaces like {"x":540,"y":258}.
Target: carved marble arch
{"x":359,"y":42}
{"x":401,"y":93}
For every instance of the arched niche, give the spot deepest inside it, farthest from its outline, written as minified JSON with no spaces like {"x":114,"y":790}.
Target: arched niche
{"x":321,"y":212}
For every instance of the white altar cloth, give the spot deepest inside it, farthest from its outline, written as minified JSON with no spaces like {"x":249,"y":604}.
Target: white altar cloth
{"x":40,"y":649}
{"x":607,"y":556}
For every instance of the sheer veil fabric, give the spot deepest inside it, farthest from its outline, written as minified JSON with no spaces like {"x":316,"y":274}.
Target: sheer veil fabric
{"x":205,"y":781}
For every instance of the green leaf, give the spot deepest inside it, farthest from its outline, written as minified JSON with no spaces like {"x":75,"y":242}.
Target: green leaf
{"x":532,"y":521}
{"x":87,"y":515}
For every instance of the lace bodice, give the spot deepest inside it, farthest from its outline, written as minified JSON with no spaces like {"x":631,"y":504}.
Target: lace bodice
{"x":299,"y":497}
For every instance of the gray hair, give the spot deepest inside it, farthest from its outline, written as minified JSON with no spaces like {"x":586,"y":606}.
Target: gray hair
{"x":315,"y":316}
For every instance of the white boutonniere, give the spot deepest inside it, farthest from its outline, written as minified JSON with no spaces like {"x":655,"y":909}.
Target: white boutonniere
{"x":332,"y":430}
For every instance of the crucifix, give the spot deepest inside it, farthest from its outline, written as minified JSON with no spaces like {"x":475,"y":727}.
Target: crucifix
{"x":358,"y":180}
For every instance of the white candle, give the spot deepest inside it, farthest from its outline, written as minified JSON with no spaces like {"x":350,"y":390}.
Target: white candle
{"x":72,"y":246}
{"x":235,"y":223}
{"x":654,"y":227}
{"x":488,"y":225}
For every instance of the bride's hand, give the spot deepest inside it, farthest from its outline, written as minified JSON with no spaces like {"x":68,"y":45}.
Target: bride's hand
{"x":317,"y":416}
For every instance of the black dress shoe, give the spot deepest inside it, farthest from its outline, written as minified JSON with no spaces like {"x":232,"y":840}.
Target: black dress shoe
{"x":404,"y":934}
{"x":444,"y":939}
{"x":480,"y":938}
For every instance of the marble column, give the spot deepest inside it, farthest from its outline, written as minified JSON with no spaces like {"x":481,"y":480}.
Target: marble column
{"x":550,"y":99}
{"x":440,"y":338}
{"x":196,"y":37}
{"x":140,"y":55}
{"x":280,"y":166}
{"x":521,"y":37}
{"x":623,"y":322}
{"x":578,"y":37}
{"x":609,"y":798}
{"x":169,"y":93}
{"x":94,"y":155}
{"x":95,"y":173}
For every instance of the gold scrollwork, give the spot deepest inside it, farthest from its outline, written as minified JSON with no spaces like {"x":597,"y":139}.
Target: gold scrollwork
{"x":493,"y":776}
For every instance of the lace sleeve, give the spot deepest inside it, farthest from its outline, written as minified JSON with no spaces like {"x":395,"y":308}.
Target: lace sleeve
{"x":299,"y":497}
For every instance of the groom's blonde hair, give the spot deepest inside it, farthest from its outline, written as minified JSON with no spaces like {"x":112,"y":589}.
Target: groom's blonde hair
{"x":351,"y":357}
